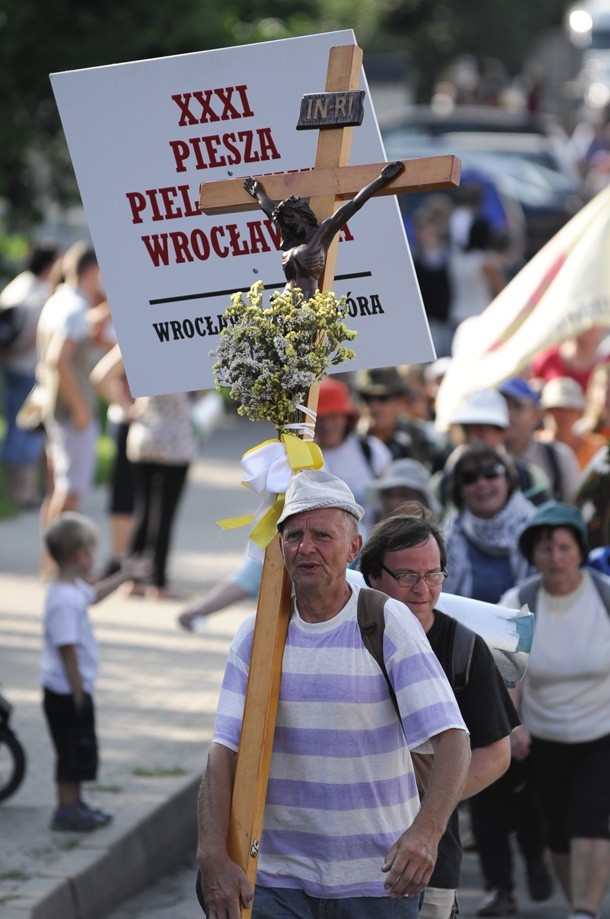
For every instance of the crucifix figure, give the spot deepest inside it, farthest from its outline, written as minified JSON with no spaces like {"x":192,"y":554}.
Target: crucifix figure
{"x":305,"y":242}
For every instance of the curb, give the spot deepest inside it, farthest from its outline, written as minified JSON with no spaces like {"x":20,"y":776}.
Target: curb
{"x":102,"y":872}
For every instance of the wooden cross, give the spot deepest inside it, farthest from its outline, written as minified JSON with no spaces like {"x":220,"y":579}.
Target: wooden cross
{"x":330,"y":181}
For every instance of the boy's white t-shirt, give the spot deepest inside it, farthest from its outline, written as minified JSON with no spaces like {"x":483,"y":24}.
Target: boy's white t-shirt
{"x":66,"y":622}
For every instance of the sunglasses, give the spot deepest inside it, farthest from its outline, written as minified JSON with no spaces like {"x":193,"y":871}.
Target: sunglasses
{"x":470,"y":476}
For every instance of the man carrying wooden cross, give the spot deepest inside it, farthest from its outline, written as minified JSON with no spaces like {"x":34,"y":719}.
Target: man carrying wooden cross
{"x":343,"y":826}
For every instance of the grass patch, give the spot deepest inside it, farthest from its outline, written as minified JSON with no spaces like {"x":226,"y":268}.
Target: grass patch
{"x":106,"y":450}
{"x":41,"y":851}
{"x":111,"y":789}
{"x":143,"y":772}
{"x":14,"y":876}
{"x":8,"y":508}
{"x":69,"y":844}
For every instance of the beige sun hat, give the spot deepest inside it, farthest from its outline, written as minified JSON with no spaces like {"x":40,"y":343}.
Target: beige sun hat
{"x":313,"y":489}
{"x":404,"y":473}
{"x":562,"y":392}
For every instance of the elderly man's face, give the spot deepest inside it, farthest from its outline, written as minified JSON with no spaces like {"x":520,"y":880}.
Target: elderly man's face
{"x":317,"y":546}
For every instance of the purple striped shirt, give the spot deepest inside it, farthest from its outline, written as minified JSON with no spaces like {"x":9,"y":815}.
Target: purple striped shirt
{"x":341,"y":785}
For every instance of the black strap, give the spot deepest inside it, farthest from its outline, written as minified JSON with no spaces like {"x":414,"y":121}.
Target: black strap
{"x":461,"y":657}
{"x":367,"y":451}
{"x":557,"y":484}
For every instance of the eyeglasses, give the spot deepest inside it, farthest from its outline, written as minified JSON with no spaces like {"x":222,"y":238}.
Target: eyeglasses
{"x":470,"y":476}
{"x":377,"y":397}
{"x":410,"y":578}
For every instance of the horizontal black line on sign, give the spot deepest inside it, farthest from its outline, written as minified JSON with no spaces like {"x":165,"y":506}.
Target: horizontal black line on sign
{"x":227,"y":293}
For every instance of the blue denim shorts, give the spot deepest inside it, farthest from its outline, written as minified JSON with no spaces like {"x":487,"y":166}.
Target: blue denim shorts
{"x":287,"y":903}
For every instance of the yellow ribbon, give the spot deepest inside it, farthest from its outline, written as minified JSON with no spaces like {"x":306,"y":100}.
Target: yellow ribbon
{"x":269,"y":467}
{"x":263,"y":532}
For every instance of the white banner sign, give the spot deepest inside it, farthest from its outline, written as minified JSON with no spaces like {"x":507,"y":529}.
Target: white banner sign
{"x":143,"y":136}
{"x":562,"y":291}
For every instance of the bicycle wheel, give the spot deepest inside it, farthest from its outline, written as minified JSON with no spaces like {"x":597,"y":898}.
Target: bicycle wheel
{"x":12,"y":764}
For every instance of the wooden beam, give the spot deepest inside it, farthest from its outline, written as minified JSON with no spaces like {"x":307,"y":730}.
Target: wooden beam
{"x":428,"y":173}
{"x":258,"y":726}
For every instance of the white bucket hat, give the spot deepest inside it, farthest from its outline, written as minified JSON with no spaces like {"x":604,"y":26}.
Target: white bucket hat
{"x":487,"y":406}
{"x":313,"y":489}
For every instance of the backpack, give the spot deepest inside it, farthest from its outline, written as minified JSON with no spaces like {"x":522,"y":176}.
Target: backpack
{"x":529,"y":588}
{"x":372,"y":625}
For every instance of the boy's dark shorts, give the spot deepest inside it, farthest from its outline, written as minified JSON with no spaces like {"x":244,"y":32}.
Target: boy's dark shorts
{"x":73,"y":735}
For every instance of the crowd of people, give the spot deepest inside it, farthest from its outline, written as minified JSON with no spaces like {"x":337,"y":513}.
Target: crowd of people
{"x":60,"y":372}
{"x":454,"y":511}
{"x":539,"y":753}
{"x":497,"y":509}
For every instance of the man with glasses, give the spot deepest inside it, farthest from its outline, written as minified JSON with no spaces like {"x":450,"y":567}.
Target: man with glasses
{"x":405,"y":558}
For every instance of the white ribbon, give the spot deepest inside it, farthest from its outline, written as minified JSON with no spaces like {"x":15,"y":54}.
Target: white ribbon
{"x":307,"y":428}
{"x":267,"y":470}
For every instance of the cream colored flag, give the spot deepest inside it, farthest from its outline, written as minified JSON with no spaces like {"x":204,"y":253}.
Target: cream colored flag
{"x":563,"y":290}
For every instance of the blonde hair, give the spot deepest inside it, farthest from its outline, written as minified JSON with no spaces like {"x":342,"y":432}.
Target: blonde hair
{"x":594,"y":415}
{"x":67,"y":533}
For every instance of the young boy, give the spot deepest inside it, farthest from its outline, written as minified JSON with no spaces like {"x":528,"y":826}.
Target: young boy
{"x":70,"y":663}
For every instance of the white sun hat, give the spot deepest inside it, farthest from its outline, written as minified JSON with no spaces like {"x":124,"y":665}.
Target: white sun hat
{"x":486,"y":406}
{"x":313,"y":489}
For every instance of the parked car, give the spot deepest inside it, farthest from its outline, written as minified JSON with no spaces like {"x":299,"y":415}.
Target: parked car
{"x":528,"y":161}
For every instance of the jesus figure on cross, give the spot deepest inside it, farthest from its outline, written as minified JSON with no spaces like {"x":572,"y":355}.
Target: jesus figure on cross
{"x":304,"y":241}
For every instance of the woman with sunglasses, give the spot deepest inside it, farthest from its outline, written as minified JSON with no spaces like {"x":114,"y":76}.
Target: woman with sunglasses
{"x":483,"y":558}
{"x":483,"y":561}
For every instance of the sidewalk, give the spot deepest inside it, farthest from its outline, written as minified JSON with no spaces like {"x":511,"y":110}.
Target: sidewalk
{"x":156,"y":697}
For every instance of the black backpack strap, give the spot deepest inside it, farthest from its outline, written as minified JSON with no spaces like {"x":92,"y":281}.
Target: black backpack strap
{"x":371,"y":621}
{"x":550,"y":452}
{"x":367,"y":451}
{"x":461,"y":657}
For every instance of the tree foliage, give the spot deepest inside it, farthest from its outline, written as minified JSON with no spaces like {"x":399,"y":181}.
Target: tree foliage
{"x":436,"y":32}
{"x":38,"y":39}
